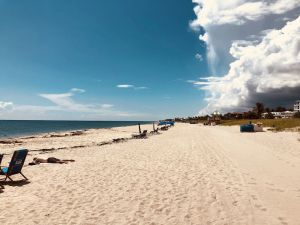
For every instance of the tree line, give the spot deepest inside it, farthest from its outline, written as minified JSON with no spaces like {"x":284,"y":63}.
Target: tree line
{"x":256,"y":113}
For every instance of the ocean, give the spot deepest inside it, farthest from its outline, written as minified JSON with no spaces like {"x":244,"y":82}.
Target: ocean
{"x":19,"y":128}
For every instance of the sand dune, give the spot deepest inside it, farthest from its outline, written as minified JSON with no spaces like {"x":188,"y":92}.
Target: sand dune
{"x":190,"y":174}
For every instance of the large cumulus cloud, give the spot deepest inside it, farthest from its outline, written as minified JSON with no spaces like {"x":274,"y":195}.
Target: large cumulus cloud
{"x":218,"y":12}
{"x":256,"y":44}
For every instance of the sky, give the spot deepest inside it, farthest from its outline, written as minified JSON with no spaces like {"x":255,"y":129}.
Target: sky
{"x":98,"y":60}
{"x":146,"y":60}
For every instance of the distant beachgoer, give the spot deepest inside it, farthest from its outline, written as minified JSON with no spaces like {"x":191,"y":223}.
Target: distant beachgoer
{"x":37,"y":161}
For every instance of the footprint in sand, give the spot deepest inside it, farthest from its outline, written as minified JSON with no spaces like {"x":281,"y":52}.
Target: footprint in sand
{"x":282,"y":220}
{"x":254,"y":197}
{"x":276,"y":189}
{"x":235,"y":203}
{"x":260,"y":207}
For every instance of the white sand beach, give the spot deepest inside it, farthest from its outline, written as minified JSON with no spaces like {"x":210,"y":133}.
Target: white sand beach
{"x":190,"y":174}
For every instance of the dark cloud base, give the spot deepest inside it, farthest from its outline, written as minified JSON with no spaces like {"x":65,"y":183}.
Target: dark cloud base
{"x":285,"y":97}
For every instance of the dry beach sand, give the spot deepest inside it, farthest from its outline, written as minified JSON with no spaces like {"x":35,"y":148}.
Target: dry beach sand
{"x":190,"y":174}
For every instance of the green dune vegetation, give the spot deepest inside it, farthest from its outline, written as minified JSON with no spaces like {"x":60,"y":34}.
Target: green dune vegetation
{"x":276,"y":124}
{"x":278,"y":118}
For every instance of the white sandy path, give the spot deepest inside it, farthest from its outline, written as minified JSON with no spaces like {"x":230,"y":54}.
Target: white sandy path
{"x":188,"y":175}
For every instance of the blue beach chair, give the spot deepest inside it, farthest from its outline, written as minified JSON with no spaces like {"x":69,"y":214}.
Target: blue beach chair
{"x":15,"y":165}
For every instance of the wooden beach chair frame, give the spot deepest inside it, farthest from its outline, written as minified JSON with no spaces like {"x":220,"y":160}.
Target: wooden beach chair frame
{"x":15,"y":165}
{"x":141,"y":135}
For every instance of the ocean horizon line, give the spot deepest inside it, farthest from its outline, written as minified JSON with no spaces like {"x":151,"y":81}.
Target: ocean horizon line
{"x":82,"y":120}
{"x":19,"y":128}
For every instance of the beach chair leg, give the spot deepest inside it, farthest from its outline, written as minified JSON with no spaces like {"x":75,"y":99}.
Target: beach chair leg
{"x":24,"y":176}
{"x":8,"y":178}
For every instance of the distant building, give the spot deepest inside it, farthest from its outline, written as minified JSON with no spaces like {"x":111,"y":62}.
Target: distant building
{"x":297,"y":106}
{"x":287,"y":114}
{"x":280,"y":115}
{"x":277,"y":115}
{"x":214,"y":119}
{"x":264,"y":115}
{"x":233,"y":115}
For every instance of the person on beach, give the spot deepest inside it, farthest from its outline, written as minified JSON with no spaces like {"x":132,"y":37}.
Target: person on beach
{"x":37,"y":161}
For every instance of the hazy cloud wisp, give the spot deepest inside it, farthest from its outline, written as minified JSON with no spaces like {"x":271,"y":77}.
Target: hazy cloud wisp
{"x":68,"y":107}
{"x":130,"y":86}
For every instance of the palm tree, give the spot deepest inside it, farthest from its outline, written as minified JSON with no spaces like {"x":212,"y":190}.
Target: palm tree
{"x":259,"y":108}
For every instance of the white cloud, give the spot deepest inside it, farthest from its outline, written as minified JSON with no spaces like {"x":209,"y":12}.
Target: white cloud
{"x":77,"y":90}
{"x":5,"y":106}
{"x":238,"y":12}
{"x":106,"y":106}
{"x":141,"y":88}
{"x":125,"y":86}
{"x":268,"y":71}
{"x":199,"y":57}
{"x":250,"y":53}
{"x":65,"y":108}
{"x":65,"y":102}
{"x":231,"y":20}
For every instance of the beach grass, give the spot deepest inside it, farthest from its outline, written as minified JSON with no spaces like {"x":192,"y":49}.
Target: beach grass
{"x":277,"y":124}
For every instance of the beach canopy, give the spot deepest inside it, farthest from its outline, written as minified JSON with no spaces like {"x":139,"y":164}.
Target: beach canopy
{"x":163,"y":123}
{"x":15,"y":165}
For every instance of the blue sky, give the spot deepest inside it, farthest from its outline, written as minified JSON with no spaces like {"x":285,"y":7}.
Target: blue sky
{"x":57,"y":53}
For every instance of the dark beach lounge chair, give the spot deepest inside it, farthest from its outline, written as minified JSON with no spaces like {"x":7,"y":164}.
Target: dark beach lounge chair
{"x":141,"y":135}
{"x":15,"y":165}
{"x":1,"y":157}
{"x":164,"y":128}
{"x":144,"y":134}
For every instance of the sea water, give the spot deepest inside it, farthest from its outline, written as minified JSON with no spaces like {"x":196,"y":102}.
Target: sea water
{"x":18,"y":128}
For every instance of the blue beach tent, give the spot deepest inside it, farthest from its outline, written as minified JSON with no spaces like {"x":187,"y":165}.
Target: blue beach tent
{"x":162,"y":123}
{"x":247,"y":128}
{"x":170,"y":123}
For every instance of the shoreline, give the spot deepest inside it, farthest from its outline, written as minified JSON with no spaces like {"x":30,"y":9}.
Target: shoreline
{"x":55,"y":129}
{"x":109,"y":136}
